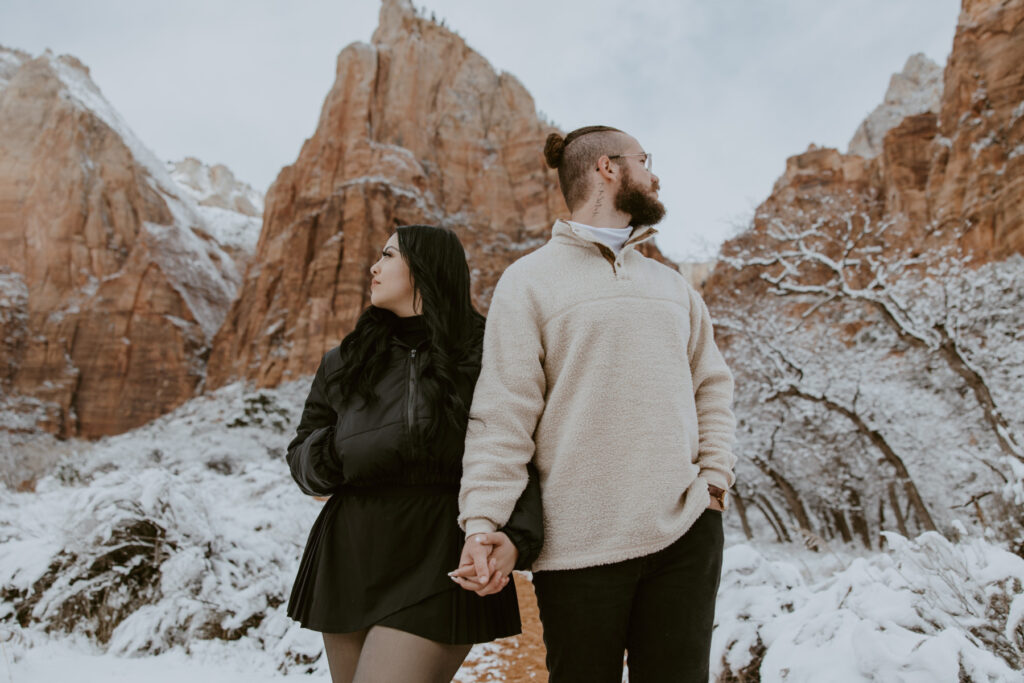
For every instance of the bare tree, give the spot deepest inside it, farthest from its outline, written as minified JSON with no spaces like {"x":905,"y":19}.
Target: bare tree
{"x":781,"y":378}
{"x":878,"y":440}
{"x":846,"y":260}
{"x":841,"y":276}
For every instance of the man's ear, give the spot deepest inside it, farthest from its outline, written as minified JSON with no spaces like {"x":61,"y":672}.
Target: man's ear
{"x":606,"y":168}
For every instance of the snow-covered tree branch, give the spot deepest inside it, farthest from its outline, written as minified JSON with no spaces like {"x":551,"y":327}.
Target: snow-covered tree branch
{"x":893,"y":374}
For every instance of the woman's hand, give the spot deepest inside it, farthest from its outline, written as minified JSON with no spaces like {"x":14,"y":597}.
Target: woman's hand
{"x":500,"y":563}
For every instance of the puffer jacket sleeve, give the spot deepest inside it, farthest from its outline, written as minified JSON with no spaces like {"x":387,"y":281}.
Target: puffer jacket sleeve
{"x":314,"y":463}
{"x":525,"y":527}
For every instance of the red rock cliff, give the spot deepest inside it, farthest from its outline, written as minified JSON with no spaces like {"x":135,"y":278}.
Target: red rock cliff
{"x":976,"y":179}
{"x":954,"y":176}
{"x":109,"y":299}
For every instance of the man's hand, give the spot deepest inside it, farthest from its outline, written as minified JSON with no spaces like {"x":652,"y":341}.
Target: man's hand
{"x":715,"y":504}
{"x":501,"y":560}
{"x":475,"y":554}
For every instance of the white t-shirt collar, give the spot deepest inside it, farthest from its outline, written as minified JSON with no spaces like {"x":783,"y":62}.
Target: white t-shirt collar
{"x":614,"y":238}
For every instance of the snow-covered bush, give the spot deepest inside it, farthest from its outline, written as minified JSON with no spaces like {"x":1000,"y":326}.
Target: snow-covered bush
{"x":927,"y":610}
{"x":184,"y":531}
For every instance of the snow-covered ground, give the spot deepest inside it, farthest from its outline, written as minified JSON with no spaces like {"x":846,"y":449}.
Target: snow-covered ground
{"x":167,"y":553}
{"x":927,"y":610}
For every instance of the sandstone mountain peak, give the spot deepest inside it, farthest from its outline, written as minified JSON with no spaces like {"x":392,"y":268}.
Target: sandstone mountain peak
{"x":394,"y":18}
{"x":10,"y":61}
{"x":216,"y":186}
{"x":915,"y":90}
{"x":115,"y":278}
{"x":417,"y":128}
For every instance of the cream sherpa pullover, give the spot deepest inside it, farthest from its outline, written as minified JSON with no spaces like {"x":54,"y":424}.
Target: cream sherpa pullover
{"x":603,"y":370}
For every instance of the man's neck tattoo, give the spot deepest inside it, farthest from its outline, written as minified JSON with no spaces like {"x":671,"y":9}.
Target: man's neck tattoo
{"x":598,"y":203}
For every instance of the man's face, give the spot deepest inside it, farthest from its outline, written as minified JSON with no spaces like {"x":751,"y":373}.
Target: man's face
{"x":639,"y":198}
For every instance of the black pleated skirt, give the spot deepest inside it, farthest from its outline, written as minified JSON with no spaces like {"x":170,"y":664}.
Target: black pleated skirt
{"x":381,"y":556}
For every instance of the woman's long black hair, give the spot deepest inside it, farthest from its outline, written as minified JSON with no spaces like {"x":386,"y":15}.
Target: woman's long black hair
{"x":440,"y":275}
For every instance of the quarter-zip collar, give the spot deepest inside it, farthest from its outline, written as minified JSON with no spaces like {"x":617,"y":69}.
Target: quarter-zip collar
{"x":566,"y":232}
{"x":612,"y":237}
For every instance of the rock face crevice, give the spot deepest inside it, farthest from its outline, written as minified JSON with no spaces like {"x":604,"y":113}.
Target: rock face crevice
{"x":114,"y":291}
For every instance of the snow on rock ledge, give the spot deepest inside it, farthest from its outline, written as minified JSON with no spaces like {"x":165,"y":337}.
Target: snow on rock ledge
{"x":216,"y":186}
{"x":232,"y":211}
{"x":181,"y":532}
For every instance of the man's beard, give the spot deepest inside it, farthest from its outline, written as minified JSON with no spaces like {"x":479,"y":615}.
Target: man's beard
{"x":642,"y":208}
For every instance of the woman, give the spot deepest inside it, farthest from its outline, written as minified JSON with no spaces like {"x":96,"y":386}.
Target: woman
{"x":382,"y":434}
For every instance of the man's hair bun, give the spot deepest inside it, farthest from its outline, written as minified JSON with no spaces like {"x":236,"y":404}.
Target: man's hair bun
{"x":554,"y":149}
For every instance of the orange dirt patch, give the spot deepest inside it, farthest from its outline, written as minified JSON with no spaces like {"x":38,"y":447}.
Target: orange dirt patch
{"x":519,"y":659}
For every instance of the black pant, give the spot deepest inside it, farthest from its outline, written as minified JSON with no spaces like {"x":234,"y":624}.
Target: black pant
{"x":660,"y":608}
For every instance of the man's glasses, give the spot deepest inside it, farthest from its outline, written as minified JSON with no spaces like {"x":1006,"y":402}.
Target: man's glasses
{"x":646,"y":155}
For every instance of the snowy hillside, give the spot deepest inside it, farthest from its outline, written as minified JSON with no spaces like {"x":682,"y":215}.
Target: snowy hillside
{"x":178,"y":542}
{"x":181,"y":537}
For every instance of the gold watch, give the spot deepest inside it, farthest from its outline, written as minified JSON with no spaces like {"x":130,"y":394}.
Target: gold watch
{"x":717,"y":494}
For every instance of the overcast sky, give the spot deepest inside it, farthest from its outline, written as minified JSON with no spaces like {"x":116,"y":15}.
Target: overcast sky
{"x":720,"y":91}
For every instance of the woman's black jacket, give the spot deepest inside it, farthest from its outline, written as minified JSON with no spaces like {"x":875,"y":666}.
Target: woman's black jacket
{"x":344,"y":444}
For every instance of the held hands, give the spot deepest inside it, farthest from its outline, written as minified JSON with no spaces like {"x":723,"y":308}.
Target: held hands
{"x":486,"y":563}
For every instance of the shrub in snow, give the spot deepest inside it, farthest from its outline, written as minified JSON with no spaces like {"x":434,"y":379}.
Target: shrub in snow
{"x":927,"y":610}
{"x":107,"y":582}
{"x":186,"y":531}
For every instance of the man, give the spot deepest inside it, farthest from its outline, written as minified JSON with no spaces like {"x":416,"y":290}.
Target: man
{"x":600,"y":366}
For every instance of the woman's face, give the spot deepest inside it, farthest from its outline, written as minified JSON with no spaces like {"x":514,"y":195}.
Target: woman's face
{"x":391,"y":287}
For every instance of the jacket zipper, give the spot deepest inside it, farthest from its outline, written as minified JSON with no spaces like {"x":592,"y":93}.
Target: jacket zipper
{"x":412,"y":401}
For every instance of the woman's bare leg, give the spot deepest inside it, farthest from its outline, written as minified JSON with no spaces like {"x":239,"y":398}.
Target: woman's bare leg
{"x":390,"y":655}
{"x":342,"y":650}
